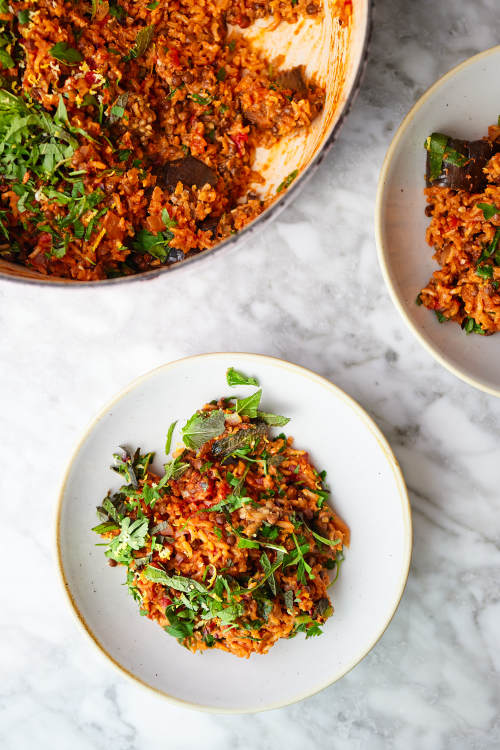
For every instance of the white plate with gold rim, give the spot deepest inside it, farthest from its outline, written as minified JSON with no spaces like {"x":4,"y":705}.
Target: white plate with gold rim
{"x":462,"y":104}
{"x":367,"y":490}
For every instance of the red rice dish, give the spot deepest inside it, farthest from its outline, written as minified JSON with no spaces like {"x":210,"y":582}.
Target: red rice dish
{"x":128,"y":130}
{"x":463,"y":197}
{"x":233,"y":547}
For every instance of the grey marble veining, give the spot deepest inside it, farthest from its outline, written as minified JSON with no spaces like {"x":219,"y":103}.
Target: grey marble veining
{"x":309,"y":290}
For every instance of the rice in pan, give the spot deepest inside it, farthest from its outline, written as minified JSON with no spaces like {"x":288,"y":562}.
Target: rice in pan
{"x":128,"y":130}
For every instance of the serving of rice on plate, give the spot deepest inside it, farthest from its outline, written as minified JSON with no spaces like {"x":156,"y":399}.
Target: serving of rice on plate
{"x":236,"y":545}
{"x":463,"y":201}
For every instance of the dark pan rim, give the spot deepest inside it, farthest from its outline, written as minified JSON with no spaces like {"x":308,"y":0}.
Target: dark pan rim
{"x":254,"y":226}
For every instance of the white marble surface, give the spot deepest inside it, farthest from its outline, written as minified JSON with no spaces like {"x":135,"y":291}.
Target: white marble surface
{"x":308,"y":290}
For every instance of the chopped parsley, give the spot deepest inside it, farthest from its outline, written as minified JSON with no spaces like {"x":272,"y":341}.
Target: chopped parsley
{"x":492,"y":249}
{"x":117,"y":11}
{"x":203,"y":100}
{"x":470,"y":326}
{"x":157,"y":245}
{"x":484,"y":272}
{"x":489,"y":210}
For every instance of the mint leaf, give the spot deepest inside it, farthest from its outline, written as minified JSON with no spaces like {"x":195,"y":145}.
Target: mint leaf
{"x":173,"y":470}
{"x":234,"y":377}
{"x":248,"y":406}
{"x":274,"y":420}
{"x":203,"y":427}
{"x":66,"y":54}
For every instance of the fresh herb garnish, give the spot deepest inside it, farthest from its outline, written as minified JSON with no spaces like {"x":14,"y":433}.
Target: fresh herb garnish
{"x":287,"y":181}
{"x":306,"y":624}
{"x":244,"y":542}
{"x":117,"y":112}
{"x":202,"y":427}
{"x":221,"y":74}
{"x":248,"y":406}
{"x":132,"y":536}
{"x":274,"y":420}
{"x":231,"y":503}
{"x":439,"y":315}
{"x":435,"y":144}
{"x":64,"y":53}
{"x":203,"y":100}
{"x":484,"y":272}
{"x":489,"y":210}
{"x":269,"y":532}
{"x":322,"y":539}
{"x":296,"y":557}
{"x":118,"y":109}
{"x":168,"y":442}
{"x":105,"y":527}
{"x":235,"y":377}
{"x":173,"y":470}
{"x":123,"y":154}
{"x":126,"y":465}
{"x":491,"y":249}
{"x":157,"y":245}
{"x":142,"y":41}
{"x":470,"y":326}
{"x":117,"y":11}
{"x":240,"y":440}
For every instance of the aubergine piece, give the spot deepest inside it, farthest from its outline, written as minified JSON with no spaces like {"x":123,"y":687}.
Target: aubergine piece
{"x":209,"y":224}
{"x":293,"y":79}
{"x":189,"y":171}
{"x":457,"y":164}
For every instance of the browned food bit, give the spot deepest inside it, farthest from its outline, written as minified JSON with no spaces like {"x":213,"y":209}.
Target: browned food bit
{"x":466,"y":173}
{"x":189,"y":171}
{"x":293,"y":79}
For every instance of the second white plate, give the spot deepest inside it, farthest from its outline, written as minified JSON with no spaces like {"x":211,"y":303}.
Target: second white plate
{"x":462,"y":104}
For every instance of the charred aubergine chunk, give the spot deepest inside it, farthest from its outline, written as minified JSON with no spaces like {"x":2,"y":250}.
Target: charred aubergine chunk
{"x":458,"y":164}
{"x":189,"y":171}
